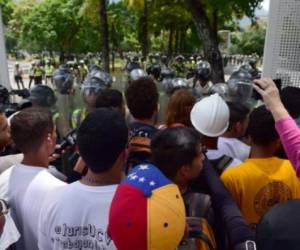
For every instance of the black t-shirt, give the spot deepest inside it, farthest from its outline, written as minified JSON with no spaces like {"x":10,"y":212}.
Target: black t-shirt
{"x":140,"y":135}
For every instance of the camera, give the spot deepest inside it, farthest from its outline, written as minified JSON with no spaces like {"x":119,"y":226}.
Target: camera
{"x":68,"y":141}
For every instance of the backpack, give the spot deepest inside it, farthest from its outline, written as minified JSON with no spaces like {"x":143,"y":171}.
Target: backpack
{"x":200,"y":236}
{"x":139,"y":150}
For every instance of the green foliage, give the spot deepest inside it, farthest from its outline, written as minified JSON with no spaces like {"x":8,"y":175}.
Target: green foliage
{"x":74,"y":25}
{"x":7,"y":7}
{"x":250,"y":41}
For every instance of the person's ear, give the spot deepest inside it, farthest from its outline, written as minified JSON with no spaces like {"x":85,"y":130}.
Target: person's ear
{"x":49,"y":139}
{"x":277,"y":144}
{"x":238,"y":128}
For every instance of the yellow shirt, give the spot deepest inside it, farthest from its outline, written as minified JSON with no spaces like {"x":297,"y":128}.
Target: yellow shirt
{"x":259,"y":184}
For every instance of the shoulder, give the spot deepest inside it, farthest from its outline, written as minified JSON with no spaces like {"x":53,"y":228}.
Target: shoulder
{"x":233,"y":172}
{"x":4,"y":184}
{"x":47,"y":179}
{"x":235,"y":162}
{"x":9,"y":160}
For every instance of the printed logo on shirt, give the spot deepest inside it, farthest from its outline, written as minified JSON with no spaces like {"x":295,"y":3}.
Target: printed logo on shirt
{"x":81,"y":237}
{"x":271,"y":194}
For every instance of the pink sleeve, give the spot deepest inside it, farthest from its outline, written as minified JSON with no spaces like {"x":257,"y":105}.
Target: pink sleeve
{"x":290,"y":137}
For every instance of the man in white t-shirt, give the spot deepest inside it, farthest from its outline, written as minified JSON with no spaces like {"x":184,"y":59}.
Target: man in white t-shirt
{"x":25,"y":185}
{"x":76,"y":216}
{"x":230,"y":142}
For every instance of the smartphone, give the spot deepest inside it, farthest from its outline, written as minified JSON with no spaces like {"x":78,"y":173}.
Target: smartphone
{"x":278,"y":84}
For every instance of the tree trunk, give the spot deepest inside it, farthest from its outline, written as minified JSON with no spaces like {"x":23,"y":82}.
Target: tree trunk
{"x":209,"y":38}
{"x":145,"y":36}
{"x":176,"y":41}
{"x":182,"y":40}
{"x":104,"y":34}
{"x":170,"y":46}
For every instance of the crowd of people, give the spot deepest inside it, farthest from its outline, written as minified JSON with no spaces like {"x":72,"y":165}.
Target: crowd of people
{"x":218,"y":173}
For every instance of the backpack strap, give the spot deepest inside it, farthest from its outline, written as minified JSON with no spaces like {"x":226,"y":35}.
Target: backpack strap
{"x":139,"y":144}
{"x":221,"y":163}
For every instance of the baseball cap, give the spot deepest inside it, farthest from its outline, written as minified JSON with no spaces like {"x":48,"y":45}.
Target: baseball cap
{"x":279,"y":228}
{"x":147,"y":212}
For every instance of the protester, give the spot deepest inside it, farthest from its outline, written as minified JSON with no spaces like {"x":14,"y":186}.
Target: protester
{"x":142,"y":101}
{"x":210,"y":117}
{"x":95,"y":82}
{"x":107,"y":98}
{"x":6,"y":161}
{"x":5,"y":136}
{"x":230,"y":143}
{"x":77,"y":215}
{"x":279,"y":228}
{"x":286,"y":127}
{"x":147,"y":212}
{"x":179,"y":108}
{"x":177,"y":152}
{"x":25,"y":185}
{"x":111,"y":98}
{"x":263,"y":180}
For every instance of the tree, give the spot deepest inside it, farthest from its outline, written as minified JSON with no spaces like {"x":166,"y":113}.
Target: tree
{"x":175,"y":19}
{"x":7,"y":7}
{"x":52,"y":25}
{"x":142,"y":6}
{"x":249,"y":41}
{"x":208,"y":15}
{"x":104,"y":34}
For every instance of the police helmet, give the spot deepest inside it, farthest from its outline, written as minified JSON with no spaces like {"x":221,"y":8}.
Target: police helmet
{"x":221,"y":89}
{"x":94,"y":67}
{"x":63,"y":79}
{"x":96,"y":81}
{"x":179,"y":58}
{"x":136,"y":74}
{"x":246,"y":67}
{"x":203,"y":71}
{"x":240,"y":86}
{"x":154,"y":70}
{"x":135,"y":59}
{"x":164,"y":59}
{"x":172,"y":85}
{"x":253,"y":62}
{"x":43,"y":96}
{"x":167,"y":73}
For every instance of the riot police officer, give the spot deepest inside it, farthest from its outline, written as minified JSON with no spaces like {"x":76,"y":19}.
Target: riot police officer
{"x":95,"y":81}
{"x":64,"y":82}
{"x":201,"y":83}
{"x":49,"y":69}
{"x":240,"y":87}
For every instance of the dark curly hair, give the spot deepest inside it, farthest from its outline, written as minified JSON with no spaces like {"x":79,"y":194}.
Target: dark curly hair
{"x":142,"y":98}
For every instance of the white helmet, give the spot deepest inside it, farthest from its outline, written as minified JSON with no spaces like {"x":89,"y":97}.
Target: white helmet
{"x":210,"y":116}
